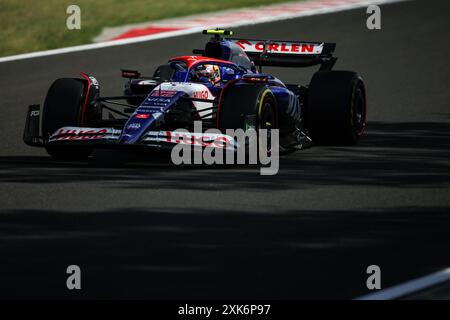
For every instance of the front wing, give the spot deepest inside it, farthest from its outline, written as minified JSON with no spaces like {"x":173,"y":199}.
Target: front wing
{"x":110,"y":137}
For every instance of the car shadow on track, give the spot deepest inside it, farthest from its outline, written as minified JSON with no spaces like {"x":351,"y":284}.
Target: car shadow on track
{"x":130,"y":253}
{"x":391,"y":154}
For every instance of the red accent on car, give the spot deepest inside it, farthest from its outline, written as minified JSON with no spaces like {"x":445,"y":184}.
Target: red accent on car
{"x":256,"y":79}
{"x":130,"y":74}
{"x":83,"y":109}
{"x":241,"y":43}
{"x":361,"y":133}
{"x":142,"y":116}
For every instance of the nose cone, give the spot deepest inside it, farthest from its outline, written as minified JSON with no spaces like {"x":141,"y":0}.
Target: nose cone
{"x":136,"y":127}
{"x":152,"y":109}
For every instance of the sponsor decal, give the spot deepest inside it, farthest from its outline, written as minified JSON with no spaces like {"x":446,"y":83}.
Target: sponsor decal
{"x":150,"y":109}
{"x":163,"y":93}
{"x":214,"y":147}
{"x":134,"y":126}
{"x":158,"y":100}
{"x":199,"y":139}
{"x":201,"y":94}
{"x":280,"y":47}
{"x":79,"y":134}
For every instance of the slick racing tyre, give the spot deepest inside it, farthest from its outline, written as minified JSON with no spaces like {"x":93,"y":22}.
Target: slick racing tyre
{"x":336,"y":108}
{"x":242,"y":103}
{"x":62,"y":109}
{"x":266,"y":117}
{"x":246,"y":106}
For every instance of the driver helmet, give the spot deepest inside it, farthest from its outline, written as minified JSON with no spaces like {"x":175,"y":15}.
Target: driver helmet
{"x":209,"y":72}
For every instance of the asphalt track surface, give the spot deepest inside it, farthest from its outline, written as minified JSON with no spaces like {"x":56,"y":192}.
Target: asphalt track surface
{"x":140,"y":227}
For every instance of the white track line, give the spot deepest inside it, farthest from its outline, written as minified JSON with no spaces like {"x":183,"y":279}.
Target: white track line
{"x":409,"y":287}
{"x":170,"y":34}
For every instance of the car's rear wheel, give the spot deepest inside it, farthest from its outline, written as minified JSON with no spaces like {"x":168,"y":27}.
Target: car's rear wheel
{"x":336,"y":108}
{"x":62,"y":108}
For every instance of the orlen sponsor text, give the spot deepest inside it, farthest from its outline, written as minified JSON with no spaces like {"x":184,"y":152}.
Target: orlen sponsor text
{"x":282,"y":47}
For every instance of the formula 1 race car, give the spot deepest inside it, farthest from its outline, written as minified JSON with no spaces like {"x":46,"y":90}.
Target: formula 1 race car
{"x":222,"y":86}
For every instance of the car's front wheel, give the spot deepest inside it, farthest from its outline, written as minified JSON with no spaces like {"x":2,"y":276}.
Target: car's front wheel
{"x":62,"y":108}
{"x":246,"y":106}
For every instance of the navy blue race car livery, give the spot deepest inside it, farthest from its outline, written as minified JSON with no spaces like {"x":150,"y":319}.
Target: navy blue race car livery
{"x":222,"y":85}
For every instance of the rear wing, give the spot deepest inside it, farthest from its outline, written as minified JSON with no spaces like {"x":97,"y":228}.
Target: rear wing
{"x":280,"y":53}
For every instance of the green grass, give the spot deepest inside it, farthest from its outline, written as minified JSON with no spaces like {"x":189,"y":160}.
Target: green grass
{"x":31,"y":25}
